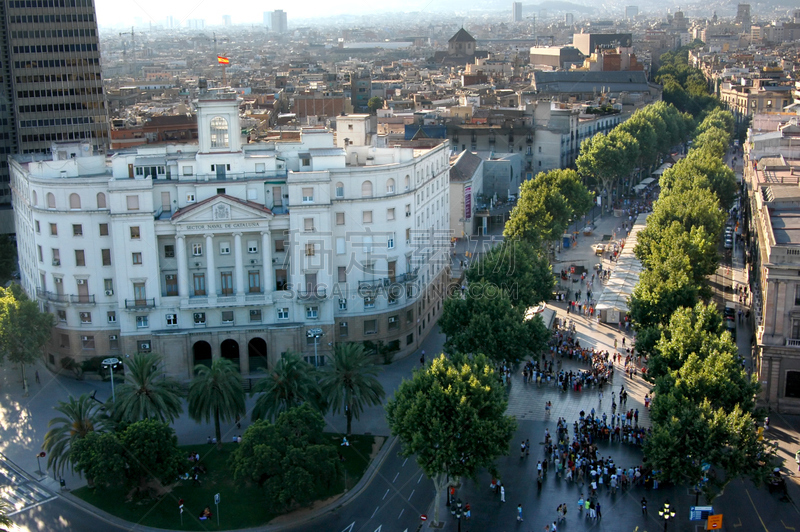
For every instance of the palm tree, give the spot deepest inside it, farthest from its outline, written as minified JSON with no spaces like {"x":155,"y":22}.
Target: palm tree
{"x":216,"y":393}
{"x":290,"y":383}
{"x":5,"y":521}
{"x":349,"y":383}
{"x":81,"y":416}
{"x":147,"y":393}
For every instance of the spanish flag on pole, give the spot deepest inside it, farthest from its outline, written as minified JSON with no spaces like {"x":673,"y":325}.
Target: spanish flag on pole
{"x":223,"y":60}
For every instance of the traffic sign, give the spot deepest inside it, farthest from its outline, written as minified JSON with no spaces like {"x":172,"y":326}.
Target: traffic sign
{"x":714,"y":522}
{"x":216,"y":498}
{"x":698,"y":513}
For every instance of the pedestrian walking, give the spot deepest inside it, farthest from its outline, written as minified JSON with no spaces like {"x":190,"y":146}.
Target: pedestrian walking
{"x":527,"y":447}
{"x":502,"y":494}
{"x":422,"y":358}
{"x":37,"y":377}
{"x":644,"y":506}
{"x":467,"y":511}
{"x":597,"y":509}
{"x":519,"y":512}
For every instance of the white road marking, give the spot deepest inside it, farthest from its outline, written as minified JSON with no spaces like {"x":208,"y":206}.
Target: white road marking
{"x":349,"y":528}
{"x":404,"y":462}
{"x":385,"y":494}
{"x":420,"y":478}
{"x":376,"y":511}
{"x":412,"y":494}
{"x":401,"y":513}
{"x":395,"y":477}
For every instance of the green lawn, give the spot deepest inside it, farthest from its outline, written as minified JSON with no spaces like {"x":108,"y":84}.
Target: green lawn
{"x":240,"y":501}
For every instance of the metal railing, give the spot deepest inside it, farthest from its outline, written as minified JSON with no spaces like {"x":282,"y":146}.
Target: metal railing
{"x":314,"y":293}
{"x":52,"y":296}
{"x":82,"y":299}
{"x":373,"y":284}
{"x":140,"y":303}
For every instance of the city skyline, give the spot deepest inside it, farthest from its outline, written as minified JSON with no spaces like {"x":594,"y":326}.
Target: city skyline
{"x":251,"y":12}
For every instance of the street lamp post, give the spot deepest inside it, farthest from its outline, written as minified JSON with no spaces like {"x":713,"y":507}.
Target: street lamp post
{"x":315,"y":333}
{"x":455,"y":510}
{"x":110,"y":363}
{"x":666,"y":513}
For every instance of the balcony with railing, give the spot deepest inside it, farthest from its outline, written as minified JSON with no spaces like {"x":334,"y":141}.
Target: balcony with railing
{"x":52,"y":296}
{"x":793,"y":342}
{"x":316,"y":292}
{"x":408,"y":277}
{"x":82,"y":299}
{"x":373,"y":284}
{"x":139,"y":303}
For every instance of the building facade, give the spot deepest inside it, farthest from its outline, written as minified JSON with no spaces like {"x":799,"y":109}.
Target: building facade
{"x":235,"y":250}
{"x":52,"y":88}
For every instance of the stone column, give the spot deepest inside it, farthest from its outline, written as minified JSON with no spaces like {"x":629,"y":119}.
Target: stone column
{"x":266,"y":253}
{"x":239,"y":266}
{"x":211,"y":271}
{"x":183,"y":268}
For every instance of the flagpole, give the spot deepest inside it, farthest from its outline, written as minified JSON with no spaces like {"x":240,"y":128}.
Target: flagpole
{"x":224,"y":78}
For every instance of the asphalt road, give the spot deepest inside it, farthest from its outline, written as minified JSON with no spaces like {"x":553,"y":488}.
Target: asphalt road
{"x":393,"y":501}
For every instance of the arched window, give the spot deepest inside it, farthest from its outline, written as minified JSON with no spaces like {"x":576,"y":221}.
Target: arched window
{"x":407,"y":183}
{"x":34,"y":198}
{"x":219,"y":132}
{"x":390,"y":186}
{"x":340,"y":190}
{"x":366,"y":189}
{"x":74,"y":201}
{"x":51,"y":201}
{"x":101,"y":200}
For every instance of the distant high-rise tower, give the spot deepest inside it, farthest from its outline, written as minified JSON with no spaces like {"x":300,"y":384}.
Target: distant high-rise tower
{"x":52,"y":87}
{"x":516,"y":12}
{"x":569,"y":19}
{"x":279,"y":22}
{"x":226,"y":20}
{"x":631,"y":12}
{"x":743,"y":16}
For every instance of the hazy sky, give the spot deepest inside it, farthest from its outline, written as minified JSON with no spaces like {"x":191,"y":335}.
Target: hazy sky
{"x":112,"y":12}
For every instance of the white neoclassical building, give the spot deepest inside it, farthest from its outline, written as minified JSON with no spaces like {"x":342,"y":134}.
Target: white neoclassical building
{"x":235,"y":250}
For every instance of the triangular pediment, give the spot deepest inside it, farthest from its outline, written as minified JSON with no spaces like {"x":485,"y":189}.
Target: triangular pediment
{"x":222,"y":209}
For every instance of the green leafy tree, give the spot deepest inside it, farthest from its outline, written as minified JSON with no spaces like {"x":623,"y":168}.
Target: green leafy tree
{"x":24,"y":329}
{"x":699,"y":246}
{"x":5,"y":521}
{"x":80,"y":417}
{"x":546,"y":205}
{"x":216,"y":394}
{"x":375,"y":103}
{"x":348,"y":383}
{"x":694,"y":434}
{"x":144,"y":452}
{"x":643,"y":131}
{"x":147,"y":392}
{"x":151,"y":454}
{"x":292,"y":460}
{"x":695,"y":207}
{"x":628,"y":148}
{"x":487,"y":322}
{"x":98,"y":457}
{"x":290,"y":383}
{"x":568,"y":183}
{"x":519,"y":268}
{"x":8,"y":259}
{"x":451,"y":417}
{"x":661,"y":290}
{"x":700,"y":169}
{"x":600,"y":161}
